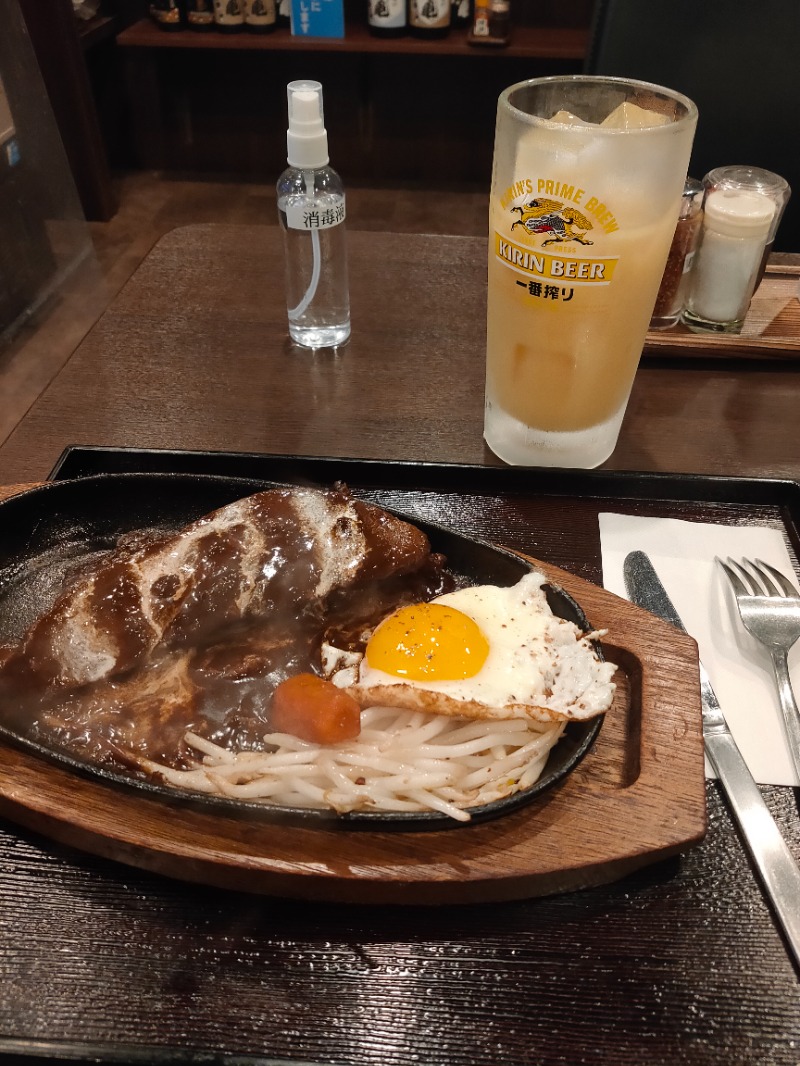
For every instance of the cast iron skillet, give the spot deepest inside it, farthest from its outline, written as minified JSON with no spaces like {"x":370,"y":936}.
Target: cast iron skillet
{"x":46,"y":532}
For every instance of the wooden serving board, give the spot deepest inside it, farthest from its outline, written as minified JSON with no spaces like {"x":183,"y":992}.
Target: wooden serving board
{"x":771,"y":329}
{"x":637,"y":797}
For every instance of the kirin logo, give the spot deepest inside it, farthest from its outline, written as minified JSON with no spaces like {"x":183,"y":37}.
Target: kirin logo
{"x":551,"y":217}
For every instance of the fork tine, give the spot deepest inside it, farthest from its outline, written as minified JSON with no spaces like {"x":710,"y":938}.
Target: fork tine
{"x":769,"y":585}
{"x":786,"y":585}
{"x":736,"y":584}
{"x":751,"y":587}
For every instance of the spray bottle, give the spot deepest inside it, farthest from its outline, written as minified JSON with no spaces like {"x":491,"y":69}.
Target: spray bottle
{"x":311,"y":207}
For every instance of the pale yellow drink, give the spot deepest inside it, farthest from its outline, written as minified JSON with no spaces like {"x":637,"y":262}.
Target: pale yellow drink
{"x":562,"y":372}
{"x":581,"y":220}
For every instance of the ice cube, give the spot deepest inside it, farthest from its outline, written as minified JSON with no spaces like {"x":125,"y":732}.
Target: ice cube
{"x":566,"y":118}
{"x":628,"y":116}
{"x":548,"y":148}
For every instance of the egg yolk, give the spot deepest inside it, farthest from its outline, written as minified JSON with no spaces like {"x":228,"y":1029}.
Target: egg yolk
{"x":428,"y":642}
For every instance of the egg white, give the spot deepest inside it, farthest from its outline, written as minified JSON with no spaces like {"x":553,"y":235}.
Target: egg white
{"x":538,"y":666}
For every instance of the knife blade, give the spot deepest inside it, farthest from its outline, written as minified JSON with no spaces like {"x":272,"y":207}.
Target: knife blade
{"x":774,"y":862}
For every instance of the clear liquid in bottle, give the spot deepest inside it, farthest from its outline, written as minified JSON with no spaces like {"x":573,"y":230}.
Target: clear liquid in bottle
{"x":311,"y":208}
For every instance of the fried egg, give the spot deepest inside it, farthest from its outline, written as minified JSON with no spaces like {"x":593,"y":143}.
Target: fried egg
{"x":479,"y":652}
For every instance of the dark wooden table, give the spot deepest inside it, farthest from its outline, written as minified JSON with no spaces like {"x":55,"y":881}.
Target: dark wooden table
{"x":678,"y":963}
{"x":193,"y":353}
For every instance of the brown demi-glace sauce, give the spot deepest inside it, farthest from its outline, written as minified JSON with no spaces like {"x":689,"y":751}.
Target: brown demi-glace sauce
{"x":194,"y":641}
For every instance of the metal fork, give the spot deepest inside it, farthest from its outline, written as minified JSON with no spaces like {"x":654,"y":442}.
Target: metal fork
{"x":769,"y":606}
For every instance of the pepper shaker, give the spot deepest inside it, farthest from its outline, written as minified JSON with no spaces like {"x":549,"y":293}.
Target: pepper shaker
{"x":671,"y":298}
{"x":737,"y":223}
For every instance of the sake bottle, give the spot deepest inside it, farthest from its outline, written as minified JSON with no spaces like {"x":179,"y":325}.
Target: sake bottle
{"x":229,"y":15}
{"x":166,"y":14}
{"x":260,"y":16}
{"x":387,"y":18}
{"x":200,"y":14}
{"x":429,"y":18}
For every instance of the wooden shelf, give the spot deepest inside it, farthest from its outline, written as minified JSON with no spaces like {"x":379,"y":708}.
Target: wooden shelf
{"x":535,"y":42}
{"x":97,"y":29}
{"x":384,"y":137}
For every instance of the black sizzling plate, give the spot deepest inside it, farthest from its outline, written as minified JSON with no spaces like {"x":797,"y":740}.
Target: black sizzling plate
{"x":46,"y":531}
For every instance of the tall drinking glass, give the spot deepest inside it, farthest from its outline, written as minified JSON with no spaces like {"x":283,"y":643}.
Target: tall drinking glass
{"x":586,"y":191}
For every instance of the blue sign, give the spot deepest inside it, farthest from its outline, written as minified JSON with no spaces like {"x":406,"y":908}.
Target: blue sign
{"x":318,"y":18}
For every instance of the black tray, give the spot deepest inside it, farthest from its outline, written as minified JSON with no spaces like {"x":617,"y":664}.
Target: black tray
{"x":545,"y":513}
{"x":548,"y":514}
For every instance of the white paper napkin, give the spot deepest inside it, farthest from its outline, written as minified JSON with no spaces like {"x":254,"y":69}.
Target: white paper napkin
{"x":739,"y":667}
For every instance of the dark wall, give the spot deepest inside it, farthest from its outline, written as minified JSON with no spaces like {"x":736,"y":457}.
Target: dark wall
{"x":389,"y":117}
{"x":738,"y":60}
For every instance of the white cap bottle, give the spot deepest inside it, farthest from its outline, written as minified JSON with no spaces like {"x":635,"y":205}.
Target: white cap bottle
{"x":736,"y":227}
{"x":311,"y":208}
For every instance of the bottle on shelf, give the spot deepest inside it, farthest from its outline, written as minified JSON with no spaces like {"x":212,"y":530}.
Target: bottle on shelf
{"x":260,"y":16}
{"x":311,"y":210}
{"x":229,"y":15}
{"x":166,"y":14}
{"x":460,"y":14}
{"x":284,"y":12}
{"x":200,"y":14}
{"x":387,"y":18}
{"x":491,"y":22}
{"x":429,"y":18}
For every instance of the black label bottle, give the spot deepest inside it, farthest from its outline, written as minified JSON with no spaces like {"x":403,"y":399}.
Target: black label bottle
{"x":200,"y":14}
{"x":387,"y":18}
{"x":284,"y":12}
{"x":260,"y":16}
{"x":166,"y":14}
{"x":429,"y":18}
{"x":229,"y":15}
{"x":461,"y":13}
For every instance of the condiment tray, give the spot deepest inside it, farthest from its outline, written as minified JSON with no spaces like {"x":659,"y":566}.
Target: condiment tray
{"x":771,"y":329}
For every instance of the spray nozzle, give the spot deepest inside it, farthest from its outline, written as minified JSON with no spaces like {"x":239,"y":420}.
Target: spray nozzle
{"x":306,"y":138}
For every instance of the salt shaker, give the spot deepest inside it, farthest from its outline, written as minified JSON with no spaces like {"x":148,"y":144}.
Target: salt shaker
{"x":763,"y":181}
{"x":737,"y":223}
{"x":671,"y":298}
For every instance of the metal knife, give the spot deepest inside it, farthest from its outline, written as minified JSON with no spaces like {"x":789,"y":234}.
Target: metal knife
{"x":776,"y":867}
